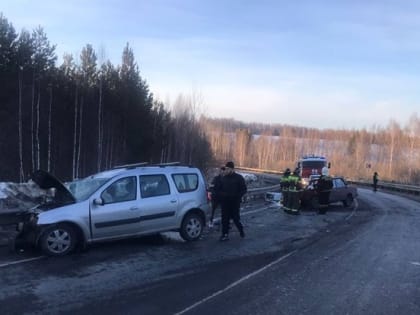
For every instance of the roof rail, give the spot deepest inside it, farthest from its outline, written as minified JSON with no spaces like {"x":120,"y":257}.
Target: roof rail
{"x":134,"y":165}
{"x":168,"y":164}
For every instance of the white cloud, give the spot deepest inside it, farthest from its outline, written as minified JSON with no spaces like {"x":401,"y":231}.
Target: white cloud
{"x":338,"y":109}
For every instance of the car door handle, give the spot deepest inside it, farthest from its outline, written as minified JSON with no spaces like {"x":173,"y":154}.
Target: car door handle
{"x":134,"y":208}
{"x":173,"y":201}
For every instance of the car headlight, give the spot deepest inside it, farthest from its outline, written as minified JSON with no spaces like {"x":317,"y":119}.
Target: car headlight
{"x":19,"y":227}
{"x":33,"y":219}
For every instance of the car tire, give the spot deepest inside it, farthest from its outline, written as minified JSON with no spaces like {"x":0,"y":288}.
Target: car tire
{"x":314,"y":202}
{"x":58,"y":240}
{"x":322,"y":211}
{"x":348,"y":202}
{"x":192,"y":227}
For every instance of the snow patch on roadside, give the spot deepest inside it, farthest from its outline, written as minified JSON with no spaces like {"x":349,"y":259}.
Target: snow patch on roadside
{"x":20,"y":196}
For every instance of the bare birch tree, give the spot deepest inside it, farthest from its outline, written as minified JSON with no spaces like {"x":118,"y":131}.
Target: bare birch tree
{"x":21,"y":172}
{"x":49,"y":128}
{"x":393,"y":134}
{"x":413,"y":133}
{"x":75,"y":121}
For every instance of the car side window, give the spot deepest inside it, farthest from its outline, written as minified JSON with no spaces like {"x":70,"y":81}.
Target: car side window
{"x":124,"y":189}
{"x":185,"y":182}
{"x":153,"y":185}
{"x":338,"y":183}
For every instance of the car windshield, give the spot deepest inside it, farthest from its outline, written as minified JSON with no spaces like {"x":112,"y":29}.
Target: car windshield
{"x":84,"y":188}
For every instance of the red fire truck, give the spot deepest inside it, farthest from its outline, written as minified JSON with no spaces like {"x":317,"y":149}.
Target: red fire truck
{"x":311,"y":166}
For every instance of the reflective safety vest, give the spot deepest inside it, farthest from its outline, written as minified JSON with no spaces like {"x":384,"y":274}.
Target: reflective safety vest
{"x":294,"y":182}
{"x":284,"y":182}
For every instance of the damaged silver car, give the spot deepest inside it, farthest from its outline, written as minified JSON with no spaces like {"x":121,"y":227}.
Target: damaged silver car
{"x":123,"y":202}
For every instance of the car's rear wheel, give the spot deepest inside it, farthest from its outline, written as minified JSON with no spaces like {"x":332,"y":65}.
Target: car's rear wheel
{"x":192,"y":227}
{"x":348,"y":202}
{"x":58,"y":240}
{"x":314,"y":202}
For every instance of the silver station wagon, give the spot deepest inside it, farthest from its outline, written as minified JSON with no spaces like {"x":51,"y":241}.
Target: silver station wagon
{"x":126,"y":201}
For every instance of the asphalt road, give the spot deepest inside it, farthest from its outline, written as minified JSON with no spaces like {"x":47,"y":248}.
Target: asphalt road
{"x":363,"y":260}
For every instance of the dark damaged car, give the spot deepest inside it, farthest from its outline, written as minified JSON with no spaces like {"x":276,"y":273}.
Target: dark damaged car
{"x":341,"y":192}
{"x":115,"y":204}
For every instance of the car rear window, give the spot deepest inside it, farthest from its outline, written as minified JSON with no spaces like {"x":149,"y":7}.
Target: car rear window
{"x":153,"y":185}
{"x":185,"y":182}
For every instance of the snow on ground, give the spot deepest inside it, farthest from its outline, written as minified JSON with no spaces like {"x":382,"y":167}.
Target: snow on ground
{"x":20,"y":196}
{"x":3,"y":188}
{"x":249,"y":178}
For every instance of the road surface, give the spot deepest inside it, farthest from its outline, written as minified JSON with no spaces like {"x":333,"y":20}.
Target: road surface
{"x":360,"y":260}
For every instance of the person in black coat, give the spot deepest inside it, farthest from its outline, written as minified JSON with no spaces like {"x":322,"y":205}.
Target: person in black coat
{"x":232,"y":189}
{"x":215,"y":193}
{"x":324,"y":186}
{"x":375,"y":181}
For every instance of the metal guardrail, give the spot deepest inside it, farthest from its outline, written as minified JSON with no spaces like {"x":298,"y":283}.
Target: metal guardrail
{"x":257,"y":170}
{"x":256,"y":193}
{"x":390,"y":186}
{"x":409,"y":189}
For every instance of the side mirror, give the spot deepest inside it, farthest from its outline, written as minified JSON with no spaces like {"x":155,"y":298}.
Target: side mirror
{"x":98,"y":202}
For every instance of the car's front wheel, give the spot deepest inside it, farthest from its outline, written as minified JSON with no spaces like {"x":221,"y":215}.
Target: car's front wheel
{"x":192,"y":226}
{"x":58,"y":240}
{"x":348,"y":202}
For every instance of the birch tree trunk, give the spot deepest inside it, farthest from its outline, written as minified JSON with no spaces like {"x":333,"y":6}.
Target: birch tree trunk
{"x":75,"y":133}
{"x":38,"y":149}
{"x":33,"y":124}
{"x":100,"y":127}
{"x":80,"y":138}
{"x":21,"y":172}
{"x":49,"y":130}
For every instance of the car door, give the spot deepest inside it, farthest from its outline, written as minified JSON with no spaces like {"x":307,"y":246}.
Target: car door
{"x":119,"y":213}
{"x":339,"y":190}
{"x":158,"y":203}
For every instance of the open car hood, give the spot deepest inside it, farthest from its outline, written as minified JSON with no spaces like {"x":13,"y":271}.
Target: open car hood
{"x":46,"y":181}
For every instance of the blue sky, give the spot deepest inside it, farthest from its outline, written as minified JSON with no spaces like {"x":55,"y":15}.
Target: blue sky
{"x":312,"y":63}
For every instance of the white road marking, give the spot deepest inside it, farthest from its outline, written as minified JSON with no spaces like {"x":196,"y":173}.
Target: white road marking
{"x":254,"y":211}
{"x":236,"y":283}
{"x":20,"y":261}
{"x":356,"y":205}
{"x":415,"y":263}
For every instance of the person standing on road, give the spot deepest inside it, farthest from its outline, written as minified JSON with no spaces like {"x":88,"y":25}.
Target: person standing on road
{"x":284,"y":186}
{"x":232,"y":189}
{"x":294,"y":193}
{"x":215,"y":193}
{"x":323,"y":187}
{"x":375,"y":181}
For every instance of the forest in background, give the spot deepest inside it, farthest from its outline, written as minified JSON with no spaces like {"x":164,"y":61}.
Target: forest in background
{"x":392,"y":151}
{"x":87,"y":115}
{"x":78,"y":118}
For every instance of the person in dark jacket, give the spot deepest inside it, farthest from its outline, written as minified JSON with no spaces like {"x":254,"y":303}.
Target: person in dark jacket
{"x":284,"y":186}
{"x":375,"y":181}
{"x":324,"y":187}
{"x":215,"y":193}
{"x":232,"y":189}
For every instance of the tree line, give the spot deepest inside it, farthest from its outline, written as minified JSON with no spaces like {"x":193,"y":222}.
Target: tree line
{"x":85,"y":116}
{"x":392,"y":151}
{"x":79,"y":118}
